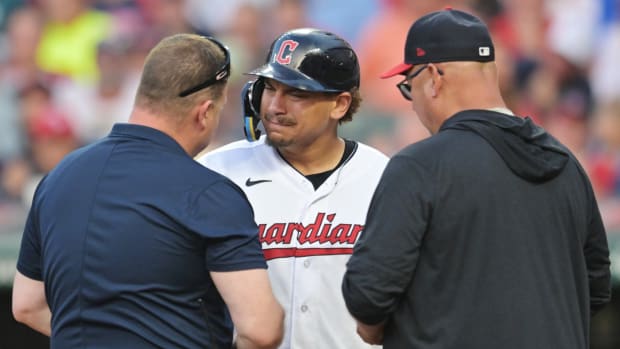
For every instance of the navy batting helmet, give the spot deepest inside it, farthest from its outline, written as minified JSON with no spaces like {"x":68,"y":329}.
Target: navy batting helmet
{"x":312,"y":60}
{"x":307,"y":59}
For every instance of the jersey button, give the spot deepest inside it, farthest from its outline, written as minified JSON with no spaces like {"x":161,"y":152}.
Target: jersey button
{"x":304,"y":308}
{"x":307,"y":263}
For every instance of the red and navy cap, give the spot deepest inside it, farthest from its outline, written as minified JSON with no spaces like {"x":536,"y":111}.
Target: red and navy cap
{"x":445,"y":36}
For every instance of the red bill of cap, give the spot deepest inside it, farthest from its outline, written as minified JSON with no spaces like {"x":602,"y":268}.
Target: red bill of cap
{"x":399,"y":69}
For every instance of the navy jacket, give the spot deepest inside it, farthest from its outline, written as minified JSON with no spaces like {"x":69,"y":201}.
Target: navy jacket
{"x":485,"y":235}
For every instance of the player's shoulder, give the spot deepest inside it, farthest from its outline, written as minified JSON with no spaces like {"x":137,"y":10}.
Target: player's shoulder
{"x":239,"y":156}
{"x":371,"y":152}
{"x":239,"y":145}
{"x":232,"y":151}
{"x":366,"y":160}
{"x":370,"y":155}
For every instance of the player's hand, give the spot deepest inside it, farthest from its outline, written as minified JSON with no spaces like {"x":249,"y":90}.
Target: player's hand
{"x":371,"y":334}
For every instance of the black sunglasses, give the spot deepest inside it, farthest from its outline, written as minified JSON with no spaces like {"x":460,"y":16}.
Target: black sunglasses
{"x":405,"y":88}
{"x":221,"y":73}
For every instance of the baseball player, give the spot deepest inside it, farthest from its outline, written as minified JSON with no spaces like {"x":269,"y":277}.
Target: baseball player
{"x":309,"y":188}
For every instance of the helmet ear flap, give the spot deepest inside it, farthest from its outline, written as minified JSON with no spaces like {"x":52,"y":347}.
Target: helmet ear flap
{"x":251,"y":95}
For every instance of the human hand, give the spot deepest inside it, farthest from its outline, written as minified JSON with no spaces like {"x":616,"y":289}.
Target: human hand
{"x":371,"y":334}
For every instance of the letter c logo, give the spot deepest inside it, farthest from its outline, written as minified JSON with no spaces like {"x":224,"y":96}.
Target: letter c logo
{"x":286,"y":50}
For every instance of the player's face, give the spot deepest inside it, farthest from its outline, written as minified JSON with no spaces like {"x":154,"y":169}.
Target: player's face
{"x":293,"y":117}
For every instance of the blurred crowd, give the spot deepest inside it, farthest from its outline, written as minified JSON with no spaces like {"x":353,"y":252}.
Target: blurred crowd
{"x":69,"y":70}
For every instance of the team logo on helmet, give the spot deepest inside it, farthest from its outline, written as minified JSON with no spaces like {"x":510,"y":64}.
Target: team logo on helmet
{"x":311,"y":60}
{"x":285,"y":51}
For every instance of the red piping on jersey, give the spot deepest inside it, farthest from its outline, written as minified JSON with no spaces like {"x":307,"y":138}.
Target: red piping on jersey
{"x":273,"y":253}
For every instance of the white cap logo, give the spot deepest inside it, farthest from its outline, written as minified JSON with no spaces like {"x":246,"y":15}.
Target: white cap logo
{"x":484,"y":51}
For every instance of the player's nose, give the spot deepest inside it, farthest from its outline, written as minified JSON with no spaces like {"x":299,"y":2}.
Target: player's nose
{"x":276,"y":103}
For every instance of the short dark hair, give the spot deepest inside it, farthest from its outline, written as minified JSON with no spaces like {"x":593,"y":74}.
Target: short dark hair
{"x":356,"y":101}
{"x":175,"y":64}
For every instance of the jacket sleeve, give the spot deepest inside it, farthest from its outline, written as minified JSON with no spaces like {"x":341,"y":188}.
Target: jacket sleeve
{"x":385,"y":257}
{"x":596,"y":252}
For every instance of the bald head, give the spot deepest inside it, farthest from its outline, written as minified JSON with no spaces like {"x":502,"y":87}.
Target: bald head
{"x":444,"y":89}
{"x":469,"y":85}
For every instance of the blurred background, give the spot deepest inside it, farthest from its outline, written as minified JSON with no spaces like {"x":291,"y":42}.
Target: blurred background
{"x":69,"y":70}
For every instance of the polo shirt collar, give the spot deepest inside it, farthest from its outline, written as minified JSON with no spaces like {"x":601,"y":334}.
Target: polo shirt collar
{"x":146,"y":133}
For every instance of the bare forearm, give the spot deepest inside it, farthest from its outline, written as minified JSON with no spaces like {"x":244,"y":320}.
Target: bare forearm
{"x":30,"y":305}
{"x":256,"y":314}
{"x":39,"y":321}
{"x":268,"y":337}
{"x":245,"y":343}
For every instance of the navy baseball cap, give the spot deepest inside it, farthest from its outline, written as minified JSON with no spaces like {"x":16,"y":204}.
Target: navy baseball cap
{"x":445,"y":36}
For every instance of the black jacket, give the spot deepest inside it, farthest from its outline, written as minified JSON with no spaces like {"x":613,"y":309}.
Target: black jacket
{"x":485,"y":235}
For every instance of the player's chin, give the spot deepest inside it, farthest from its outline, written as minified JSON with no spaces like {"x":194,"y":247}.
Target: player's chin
{"x":278,"y":140}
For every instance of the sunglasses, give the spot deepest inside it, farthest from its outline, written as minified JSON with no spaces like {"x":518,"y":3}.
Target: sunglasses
{"x":219,"y":75}
{"x":405,"y":88}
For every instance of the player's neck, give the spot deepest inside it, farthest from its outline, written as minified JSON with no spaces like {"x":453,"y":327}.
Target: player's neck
{"x":316,"y":158}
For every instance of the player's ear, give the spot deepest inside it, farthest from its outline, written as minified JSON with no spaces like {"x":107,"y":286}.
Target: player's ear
{"x":342,"y":103}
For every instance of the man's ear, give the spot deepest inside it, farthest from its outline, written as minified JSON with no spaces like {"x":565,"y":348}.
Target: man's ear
{"x":343,"y":101}
{"x":437,"y":80}
{"x":204,"y":111}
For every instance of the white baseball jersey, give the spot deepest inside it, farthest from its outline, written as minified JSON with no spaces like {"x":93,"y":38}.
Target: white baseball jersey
{"x":307,"y":236}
